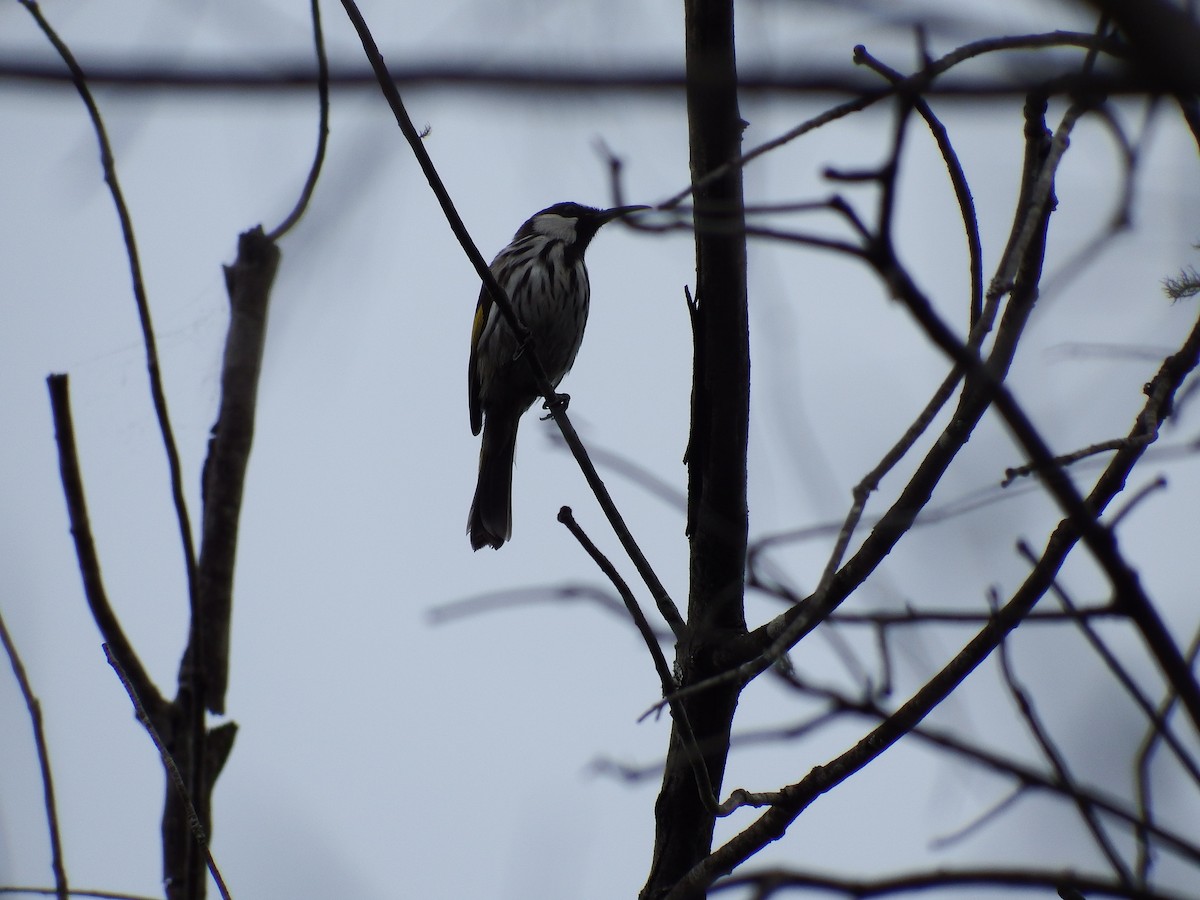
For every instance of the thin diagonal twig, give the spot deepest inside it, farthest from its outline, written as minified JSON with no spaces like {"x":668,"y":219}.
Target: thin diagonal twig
{"x":75,"y":892}
{"x":666,"y":679}
{"x":1058,"y":763}
{"x":173,"y":772}
{"x":958,"y":180}
{"x":554,"y":402}
{"x":157,"y":392}
{"x":1023,"y":774}
{"x":322,"y":130}
{"x":1012,"y":473}
{"x":43,"y":753}
{"x":979,"y":822}
{"x":1069,"y":884}
{"x":922,"y":78}
{"x":796,"y":797}
{"x":85,"y":549}
{"x":1120,"y":673}
{"x":1155,"y":733}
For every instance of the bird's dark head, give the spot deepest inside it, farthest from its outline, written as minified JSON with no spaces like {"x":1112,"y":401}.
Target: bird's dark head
{"x":572,"y":223}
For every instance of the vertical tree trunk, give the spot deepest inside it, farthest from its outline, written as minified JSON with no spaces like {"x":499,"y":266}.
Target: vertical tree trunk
{"x":199,"y":752}
{"x":717,"y":445}
{"x":184,"y":870}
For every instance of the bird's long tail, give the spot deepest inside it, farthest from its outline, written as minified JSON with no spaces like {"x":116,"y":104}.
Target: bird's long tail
{"x":490,"y":521}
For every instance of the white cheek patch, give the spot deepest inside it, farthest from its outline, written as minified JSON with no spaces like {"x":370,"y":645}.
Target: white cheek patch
{"x":555,"y":226}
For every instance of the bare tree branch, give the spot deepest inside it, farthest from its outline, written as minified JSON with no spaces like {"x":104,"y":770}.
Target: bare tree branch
{"x":924,"y":82}
{"x":74,"y":892}
{"x":248,"y":282}
{"x":772,"y":824}
{"x":322,"y":131}
{"x":958,"y":180}
{"x":157,"y":393}
{"x":539,"y":79}
{"x":172,"y":769}
{"x":555,"y":402}
{"x":1025,"y":776}
{"x":1058,"y":764}
{"x":1063,"y":460}
{"x":666,"y":679}
{"x":1163,"y":37}
{"x":1156,"y":733}
{"x":61,"y":889}
{"x":976,"y":334}
{"x":770,"y":882}
{"x":1121,"y":674}
{"x":85,"y":550}
{"x":716,"y":455}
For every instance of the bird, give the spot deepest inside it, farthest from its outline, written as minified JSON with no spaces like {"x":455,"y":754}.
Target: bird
{"x":542,"y":272}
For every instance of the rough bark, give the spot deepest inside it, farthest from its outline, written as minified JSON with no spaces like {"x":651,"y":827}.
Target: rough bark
{"x":717,"y":517}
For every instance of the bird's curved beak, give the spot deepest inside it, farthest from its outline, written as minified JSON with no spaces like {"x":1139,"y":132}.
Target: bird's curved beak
{"x":617,"y":211}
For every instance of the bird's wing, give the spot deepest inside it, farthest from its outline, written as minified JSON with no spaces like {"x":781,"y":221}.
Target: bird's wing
{"x":483,"y":310}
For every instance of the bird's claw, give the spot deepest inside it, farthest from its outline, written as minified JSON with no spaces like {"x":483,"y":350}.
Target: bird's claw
{"x":555,"y":403}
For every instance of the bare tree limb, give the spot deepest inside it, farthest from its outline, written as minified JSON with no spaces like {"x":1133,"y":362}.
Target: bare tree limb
{"x":925,"y":82}
{"x":661,"y":666}
{"x":61,"y":890}
{"x":248,"y":282}
{"x":511,"y":598}
{"x":322,"y":130}
{"x":180,"y":724}
{"x":85,"y":551}
{"x":1018,"y":275}
{"x":1157,"y":731}
{"x":157,"y":393}
{"x":1058,"y":763}
{"x":74,"y":892}
{"x":172,"y":769}
{"x":1121,"y":674}
{"x":716,"y":455}
{"x":537,"y":78}
{"x":555,"y":403}
{"x":958,"y":180}
{"x":772,"y":824}
{"x":770,"y":882}
{"x":1080,"y":516}
{"x":1024,"y":775}
{"x":1163,"y":38}
{"x":1012,"y":473}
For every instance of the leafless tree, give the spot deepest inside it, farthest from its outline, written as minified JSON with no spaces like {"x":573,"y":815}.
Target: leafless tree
{"x":1137,"y":54}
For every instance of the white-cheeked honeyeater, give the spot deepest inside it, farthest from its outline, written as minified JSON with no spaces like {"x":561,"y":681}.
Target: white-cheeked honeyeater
{"x":542,"y":272}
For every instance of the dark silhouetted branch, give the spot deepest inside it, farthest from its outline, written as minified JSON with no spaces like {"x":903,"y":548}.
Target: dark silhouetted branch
{"x":1058,"y":764}
{"x":314,"y":171}
{"x":666,"y":679}
{"x":248,"y":282}
{"x":61,"y":889}
{"x":85,"y":549}
{"x":774,"y":881}
{"x":554,"y":402}
{"x":158,"y":395}
{"x":173,"y":773}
